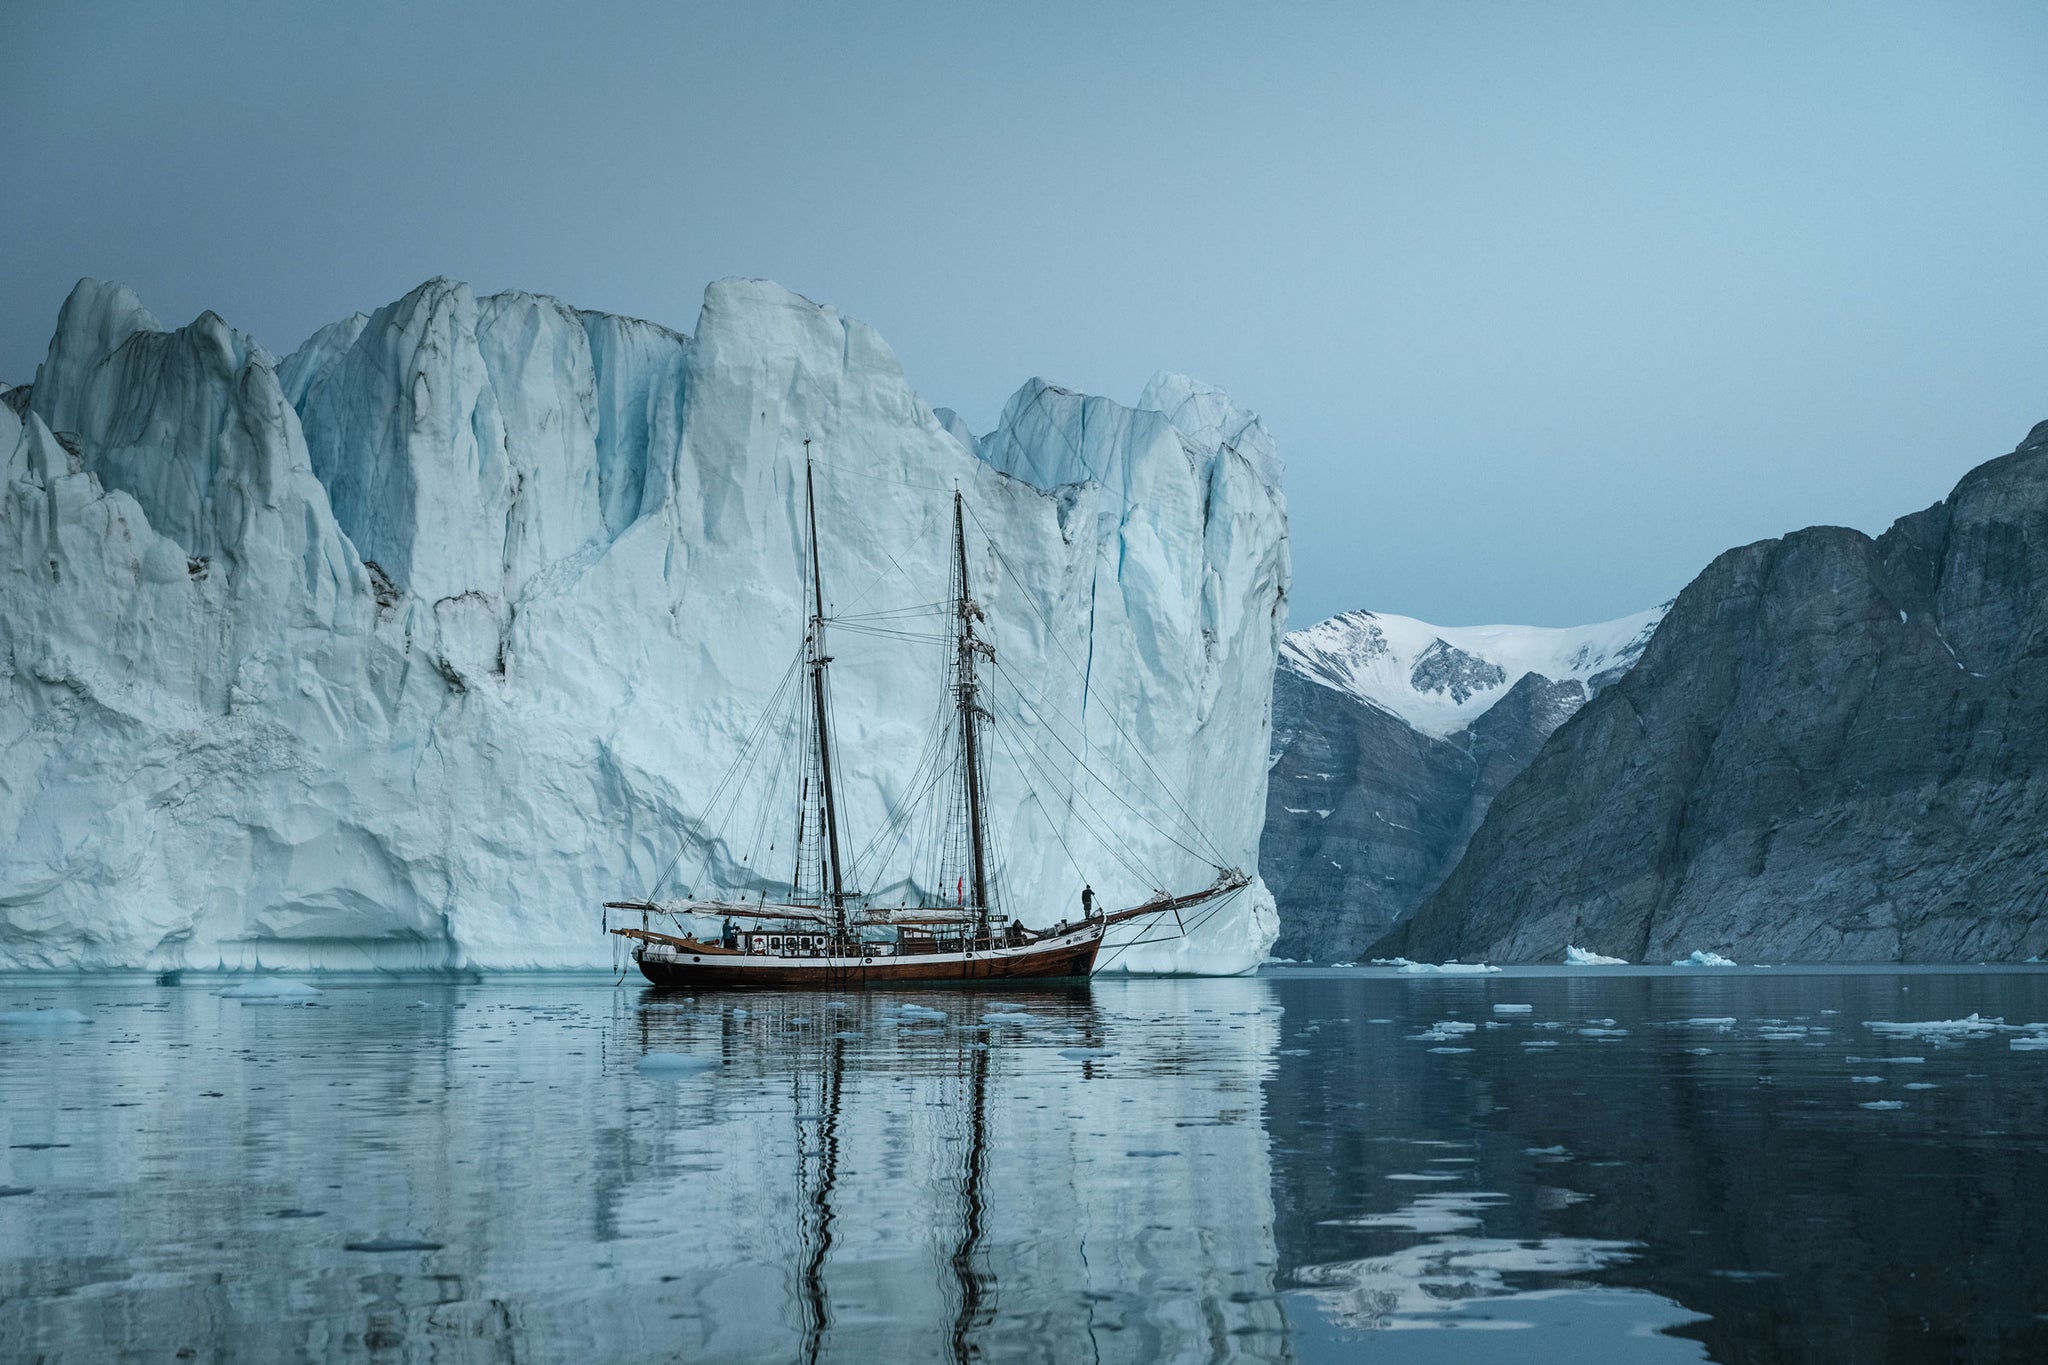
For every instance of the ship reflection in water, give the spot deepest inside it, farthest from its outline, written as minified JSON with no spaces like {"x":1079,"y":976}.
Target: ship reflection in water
{"x":1298,"y":1168}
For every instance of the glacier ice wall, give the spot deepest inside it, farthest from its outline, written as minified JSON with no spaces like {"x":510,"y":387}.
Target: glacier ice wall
{"x":409,"y":650}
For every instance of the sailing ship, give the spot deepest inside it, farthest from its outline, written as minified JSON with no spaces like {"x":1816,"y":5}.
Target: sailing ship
{"x":824,"y":932}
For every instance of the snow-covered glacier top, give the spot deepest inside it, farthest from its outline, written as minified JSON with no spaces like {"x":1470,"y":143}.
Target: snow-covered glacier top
{"x":410,"y":649}
{"x":1439,"y":679}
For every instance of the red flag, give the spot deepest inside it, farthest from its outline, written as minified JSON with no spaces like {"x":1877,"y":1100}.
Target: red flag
{"x":960,"y":891}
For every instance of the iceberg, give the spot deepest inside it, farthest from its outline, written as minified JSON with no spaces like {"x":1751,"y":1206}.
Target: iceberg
{"x":408,"y":650}
{"x":1704,"y":959}
{"x":1580,"y":957}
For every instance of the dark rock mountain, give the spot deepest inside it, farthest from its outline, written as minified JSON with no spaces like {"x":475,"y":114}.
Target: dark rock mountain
{"x":1365,"y":814}
{"x":1834,"y":748}
{"x":1389,"y":742}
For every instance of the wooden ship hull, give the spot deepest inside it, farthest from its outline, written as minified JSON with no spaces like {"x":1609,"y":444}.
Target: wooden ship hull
{"x":680,"y":963}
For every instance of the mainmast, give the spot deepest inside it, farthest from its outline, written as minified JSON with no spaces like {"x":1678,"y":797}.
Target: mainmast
{"x":829,"y":874}
{"x":967,"y":612}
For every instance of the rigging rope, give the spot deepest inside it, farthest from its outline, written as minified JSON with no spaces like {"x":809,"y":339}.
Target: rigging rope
{"x":1215,"y":855}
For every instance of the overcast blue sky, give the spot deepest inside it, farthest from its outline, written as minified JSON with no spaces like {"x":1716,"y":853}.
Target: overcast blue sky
{"x":1546,"y":304}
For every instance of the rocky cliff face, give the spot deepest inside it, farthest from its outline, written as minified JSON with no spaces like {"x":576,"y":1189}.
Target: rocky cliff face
{"x":1390,"y":741}
{"x":1835,"y":748}
{"x":409,"y":650}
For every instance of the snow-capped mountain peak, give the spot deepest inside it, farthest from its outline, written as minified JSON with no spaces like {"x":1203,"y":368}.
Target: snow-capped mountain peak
{"x":1439,"y":679}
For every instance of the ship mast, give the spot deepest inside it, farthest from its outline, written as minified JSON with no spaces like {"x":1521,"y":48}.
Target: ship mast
{"x":829,"y":873}
{"x":967,"y":612}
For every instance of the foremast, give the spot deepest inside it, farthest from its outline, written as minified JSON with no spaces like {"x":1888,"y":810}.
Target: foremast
{"x":831,"y":877}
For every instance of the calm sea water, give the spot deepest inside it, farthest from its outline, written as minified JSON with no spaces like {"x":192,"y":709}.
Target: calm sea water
{"x":1709,"y":1165}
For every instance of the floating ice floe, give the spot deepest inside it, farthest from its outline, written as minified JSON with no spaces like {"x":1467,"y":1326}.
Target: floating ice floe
{"x":1582,"y":957}
{"x":675,"y":1064}
{"x":1540,"y":1042}
{"x":1723,"y":1023}
{"x":1704,"y":959}
{"x":1402,"y":964}
{"x":1700,"y":1051}
{"x":2037,"y":1042}
{"x":270,"y":990}
{"x":1020,"y":1018}
{"x":919,"y":1012}
{"x":43,"y":1018}
{"x":1443,"y":1031}
{"x":1514,"y":1009}
{"x":1940,"y":1030}
{"x":1867,"y":1080}
{"x":1882,"y":1104}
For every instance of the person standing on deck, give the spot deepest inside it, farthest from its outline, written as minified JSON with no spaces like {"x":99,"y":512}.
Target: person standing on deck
{"x":1087,"y":902}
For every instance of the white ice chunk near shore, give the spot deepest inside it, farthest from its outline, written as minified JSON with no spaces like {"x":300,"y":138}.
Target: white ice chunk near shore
{"x":1940,"y":1030}
{"x":270,"y":990}
{"x":1582,"y":957}
{"x":1412,"y":968}
{"x":1700,"y":958}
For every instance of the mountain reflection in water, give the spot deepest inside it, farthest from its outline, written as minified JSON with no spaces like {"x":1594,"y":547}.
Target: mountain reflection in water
{"x":1304,"y":1167}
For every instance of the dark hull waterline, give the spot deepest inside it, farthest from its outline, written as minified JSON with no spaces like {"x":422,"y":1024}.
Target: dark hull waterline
{"x":1065,"y":958}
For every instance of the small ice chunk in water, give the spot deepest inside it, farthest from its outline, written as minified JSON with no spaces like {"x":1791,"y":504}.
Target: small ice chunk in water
{"x":675,"y":1064}
{"x":1086,"y":1054}
{"x":2033,"y":1043}
{"x":1868,"y":1080}
{"x":1447,"y":968}
{"x":920,"y":1012}
{"x":1514,"y":1009}
{"x":44,"y":1018}
{"x":1700,"y":1051}
{"x":1443,"y":1031}
{"x":1581,"y":957}
{"x":1882,"y":1104}
{"x":1922,"y":1085}
{"x":1704,"y":959}
{"x":1447,"y":1051}
{"x":270,"y":990}
{"x":1539,"y":1042}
